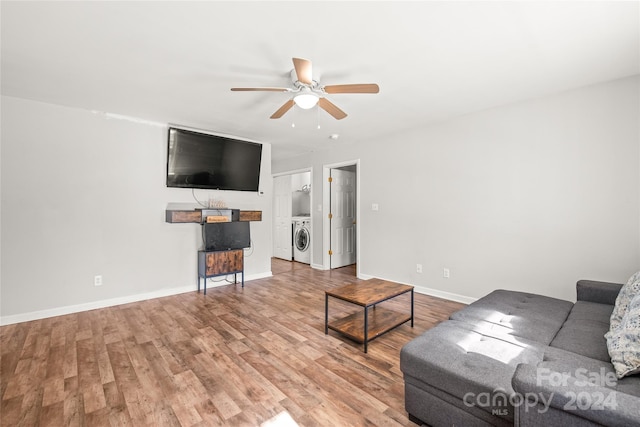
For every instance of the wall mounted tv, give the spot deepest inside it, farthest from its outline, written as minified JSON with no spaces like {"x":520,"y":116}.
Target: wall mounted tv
{"x":200,"y":160}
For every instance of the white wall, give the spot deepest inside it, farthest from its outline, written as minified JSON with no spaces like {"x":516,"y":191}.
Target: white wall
{"x":531,"y":196}
{"x":85,"y":195}
{"x":300,"y":200}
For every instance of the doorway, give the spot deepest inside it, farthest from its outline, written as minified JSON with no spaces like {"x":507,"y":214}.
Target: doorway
{"x":341,"y":198}
{"x":291,"y":204}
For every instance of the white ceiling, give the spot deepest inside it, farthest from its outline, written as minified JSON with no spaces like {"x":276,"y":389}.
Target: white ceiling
{"x":174,"y":62}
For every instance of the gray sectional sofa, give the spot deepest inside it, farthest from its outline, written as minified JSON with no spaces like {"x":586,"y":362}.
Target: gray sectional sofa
{"x":514,"y":358}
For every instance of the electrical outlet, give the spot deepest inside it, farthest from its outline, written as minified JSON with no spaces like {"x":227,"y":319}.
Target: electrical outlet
{"x":418,"y":268}
{"x":446,"y":273}
{"x":97,"y":280}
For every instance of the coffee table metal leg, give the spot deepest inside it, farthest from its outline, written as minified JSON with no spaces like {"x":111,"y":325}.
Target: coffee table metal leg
{"x":366,"y":329}
{"x":412,"y":308}
{"x":326,"y":313}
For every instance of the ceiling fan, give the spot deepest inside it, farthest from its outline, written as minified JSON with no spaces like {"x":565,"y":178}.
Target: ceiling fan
{"x":308,"y":92}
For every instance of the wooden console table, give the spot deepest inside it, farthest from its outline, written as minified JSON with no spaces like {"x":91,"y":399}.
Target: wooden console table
{"x":213,"y":263}
{"x":220,"y":263}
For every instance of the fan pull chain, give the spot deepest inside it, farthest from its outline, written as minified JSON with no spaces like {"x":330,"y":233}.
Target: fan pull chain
{"x":293,"y":122}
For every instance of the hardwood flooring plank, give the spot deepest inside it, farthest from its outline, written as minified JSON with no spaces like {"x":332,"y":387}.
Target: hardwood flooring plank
{"x":118,"y":410}
{"x":55,"y":361}
{"x":53,"y":391}
{"x":340,"y":389}
{"x":174,"y":363}
{"x":226,"y":406}
{"x":98,"y":418}
{"x":52,"y":415}
{"x":237,"y":372}
{"x":251,"y":356}
{"x":11,"y":410}
{"x":255,"y":383}
{"x":70,"y":362}
{"x":209,"y":413}
{"x":293,"y":388}
{"x":298,"y":414}
{"x":163,"y":415}
{"x":73,"y":409}
{"x":31,"y":407}
{"x":187,"y":415}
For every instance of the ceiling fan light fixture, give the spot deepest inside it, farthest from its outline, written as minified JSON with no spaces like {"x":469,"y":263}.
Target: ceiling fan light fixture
{"x":306,"y":99}
{"x":306,"y":93}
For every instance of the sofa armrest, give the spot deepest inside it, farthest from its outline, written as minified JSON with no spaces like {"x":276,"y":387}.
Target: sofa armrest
{"x":600,"y":292}
{"x":548,"y":397}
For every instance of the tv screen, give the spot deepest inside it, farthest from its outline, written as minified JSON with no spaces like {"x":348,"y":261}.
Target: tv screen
{"x":200,"y":160}
{"x":221,"y":236}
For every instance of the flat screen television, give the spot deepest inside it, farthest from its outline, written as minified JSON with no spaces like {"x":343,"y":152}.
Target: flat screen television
{"x":222,"y":236}
{"x":200,"y":160}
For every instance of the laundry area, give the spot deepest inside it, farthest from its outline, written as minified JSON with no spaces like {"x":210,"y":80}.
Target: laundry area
{"x":301,"y":217}
{"x":292,"y":217}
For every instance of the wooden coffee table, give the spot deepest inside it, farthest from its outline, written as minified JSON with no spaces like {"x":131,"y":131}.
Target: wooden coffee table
{"x":375,"y":322}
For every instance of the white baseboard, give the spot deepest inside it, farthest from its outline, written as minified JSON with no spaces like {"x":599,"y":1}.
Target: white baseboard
{"x":70,"y":309}
{"x":318,"y":267}
{"x":444,"y":295}
{"x":428,"y":291}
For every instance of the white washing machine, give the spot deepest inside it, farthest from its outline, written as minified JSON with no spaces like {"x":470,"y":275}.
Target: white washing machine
{"x":302,"y":239}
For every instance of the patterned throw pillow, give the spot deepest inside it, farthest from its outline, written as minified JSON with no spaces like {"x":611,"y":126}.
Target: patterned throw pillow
{"x":624,"y":343}
{"x":628,"y":291}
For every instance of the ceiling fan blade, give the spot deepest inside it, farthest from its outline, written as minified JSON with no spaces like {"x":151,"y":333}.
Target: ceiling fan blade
{"x":259,"y":89}
{"x":303,"y":70}
{"x":286,"y":107}
{"x":330,"y":108}
{"x":354,"y":88}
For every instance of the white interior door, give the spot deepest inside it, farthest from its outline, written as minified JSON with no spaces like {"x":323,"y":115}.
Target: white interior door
{"x":282,"y":247}
{"x":343,"y":218}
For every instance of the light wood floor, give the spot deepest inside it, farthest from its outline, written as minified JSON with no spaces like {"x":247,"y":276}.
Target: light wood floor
{"x":251,"y":356}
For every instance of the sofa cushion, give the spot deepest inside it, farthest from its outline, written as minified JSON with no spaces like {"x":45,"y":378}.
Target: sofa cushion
{"x":571,"y":401}
{"x":628,"y":291}
{"x":597,"y":372}
{"x":583,"y":332}
{"x":586,"y":310}
{"x":533,"y":317}
{"x":467,"y":363}
{"x":624,"y":342}
{"x":437,"y":408}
